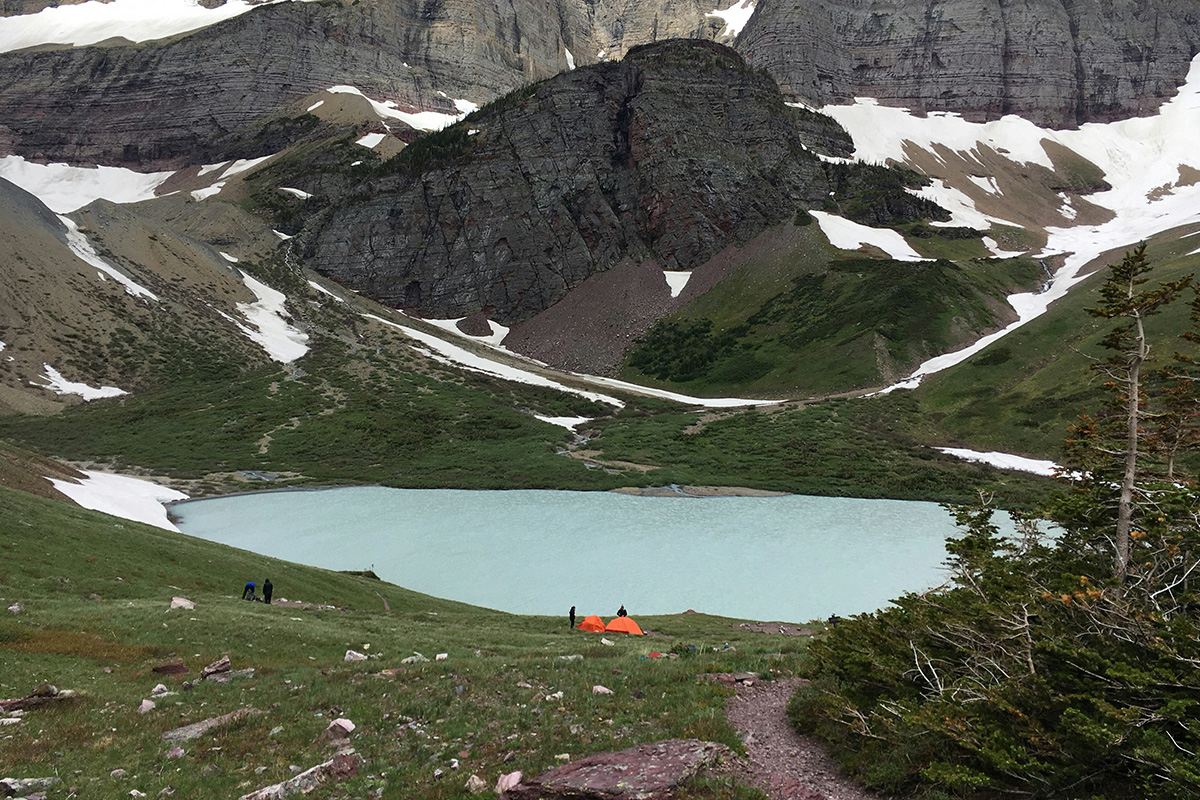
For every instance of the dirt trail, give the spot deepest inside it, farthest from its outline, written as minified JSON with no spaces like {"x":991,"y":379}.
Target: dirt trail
{"x":786,"y":765}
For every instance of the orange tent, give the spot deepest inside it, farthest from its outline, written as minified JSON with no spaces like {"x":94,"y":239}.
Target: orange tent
{"x":624,"y":625}
{"x":592,"y":624}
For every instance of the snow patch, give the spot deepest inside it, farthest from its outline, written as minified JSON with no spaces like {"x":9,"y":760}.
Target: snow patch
{"x":316,"y":105}
{"x":570,"y":59}
{"x":994,"y":246}
{"x":227,"y":257}
{"x":64,"y":188}
{"x":323,"y":290}
{"x":243,"y":165}
{"x":82,"y":248}
{"x":494,"y":339}
{"x":570,"y":423}
{"x":208,"y":191}
{"x":271,"y":329}
{"x":420,"y":120}
{"x":60,"y":385}
{"x":303,"y":195}
{"x":988,"y":183}
{"x":735,"y":17}
{"x":280,"y":234}
{"x":1004,"y":460}
{"x":210,"y":168}
{"x":677,"y":281}
{"x":92,"y":22}
{"x":849,"y":235}
{"x":128,"y":498}
{"x":371,"y":140}
{"x":447,"y":353}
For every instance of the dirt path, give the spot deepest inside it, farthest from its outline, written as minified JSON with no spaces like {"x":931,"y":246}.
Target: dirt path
{"x":786,"y":765}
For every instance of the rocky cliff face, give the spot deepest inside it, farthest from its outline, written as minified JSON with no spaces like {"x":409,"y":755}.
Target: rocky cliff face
{"x":1057,"y":62}
{"x":166,"y":103}
{"x":669,"y":155}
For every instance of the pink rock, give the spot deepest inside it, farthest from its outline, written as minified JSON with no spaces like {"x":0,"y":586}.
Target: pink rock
{"x":175,"y":752}
{"x":147,"y":705}
{"x":508,"y":781}
{"x":182,"y":602}
{"x":354,"y":655}
{"x":598,"y":689}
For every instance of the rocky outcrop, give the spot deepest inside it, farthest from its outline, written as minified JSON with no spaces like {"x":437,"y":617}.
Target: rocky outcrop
{"x":670,"y":155}
{"x":1057,"y":62}
{"x":205,"y":96}
{"x":646,"y":771}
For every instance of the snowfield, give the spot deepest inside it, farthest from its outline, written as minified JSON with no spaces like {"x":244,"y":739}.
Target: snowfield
{"x":128,"y":498}
{"x":1141,"y":157}
{"x":64,"y":188}
{"x":135,"y":20}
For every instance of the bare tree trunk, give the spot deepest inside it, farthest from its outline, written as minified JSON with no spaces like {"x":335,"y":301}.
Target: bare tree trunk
{"x":1125,"y":505}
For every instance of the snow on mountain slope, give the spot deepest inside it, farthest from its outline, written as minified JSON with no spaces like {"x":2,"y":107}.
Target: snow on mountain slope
{"x":420,"y":120}
{"x":735,"y":17}
{"x":1151,"y":164}
{"x":64,"y":188}
{"x":135,"y":20}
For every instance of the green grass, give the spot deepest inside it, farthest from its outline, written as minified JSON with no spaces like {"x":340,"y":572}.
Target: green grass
{"x":1022,"y":392}
{"x":95,"y":592}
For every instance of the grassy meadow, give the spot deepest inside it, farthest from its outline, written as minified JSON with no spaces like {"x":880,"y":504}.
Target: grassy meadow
{"x":95,"y":593}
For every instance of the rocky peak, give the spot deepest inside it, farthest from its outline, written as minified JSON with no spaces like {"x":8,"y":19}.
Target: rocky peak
{"x":669,"y":155}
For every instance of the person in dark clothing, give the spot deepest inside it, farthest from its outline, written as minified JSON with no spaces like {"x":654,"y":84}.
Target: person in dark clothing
{"x":572,"y":616}
{"x":267,"y":589}
{"x":248,"y":592}
{"x":621,"y":612}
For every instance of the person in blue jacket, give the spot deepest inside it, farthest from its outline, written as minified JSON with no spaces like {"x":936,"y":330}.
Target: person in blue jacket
{"x":248,"y":592}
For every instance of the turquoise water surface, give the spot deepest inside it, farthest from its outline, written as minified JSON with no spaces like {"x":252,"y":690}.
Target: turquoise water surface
{"x":792,"y":558}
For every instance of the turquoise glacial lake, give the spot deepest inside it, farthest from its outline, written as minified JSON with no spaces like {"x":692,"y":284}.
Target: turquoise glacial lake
{"x":793,"y":558}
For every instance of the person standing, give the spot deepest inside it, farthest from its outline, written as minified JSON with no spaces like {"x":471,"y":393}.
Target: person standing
{"x":572,"y":616}
{"x":267,"y":589}
{"x":621,"y":612}
{"x":248,"y":592}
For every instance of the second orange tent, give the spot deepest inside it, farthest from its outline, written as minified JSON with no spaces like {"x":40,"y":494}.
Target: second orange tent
{"x":624,"y":625}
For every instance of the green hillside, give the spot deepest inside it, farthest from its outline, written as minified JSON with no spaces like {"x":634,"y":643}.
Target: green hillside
{"x":95,"y":591}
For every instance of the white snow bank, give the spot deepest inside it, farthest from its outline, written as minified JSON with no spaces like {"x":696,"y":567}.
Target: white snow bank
{"x":271,"y":329}
{"x":570,"y":59}
{"x":570,"y":423}
{"x":495,"y":338}
{"x":735,"y":17}
{"x":677,"y":281}
{"x":994,"y":246}
{"x":60,"y":385}
{"x":244,"y":165}
{"x":371,"y":140}
{"x":92,"y":22}
{"x":421,"y":120}
{"x":516,"y":374}
{"x":65,"y":188}
{"x":316,"y":105}
{"x":441,"y":350}
{"x":849,"y":235}
{"x":82,"y":248}
{"x":303,"y":195}
{"x":129,"y":498}
{"x":323,"y":290}
{"x":208,"y":191}
{"x":1003,"y":460}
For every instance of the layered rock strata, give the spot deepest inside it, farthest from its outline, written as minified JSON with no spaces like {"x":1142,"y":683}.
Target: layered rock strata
{"x":167,"y":103}
{"x":1056,"y":62}
{"x":669,"y":155}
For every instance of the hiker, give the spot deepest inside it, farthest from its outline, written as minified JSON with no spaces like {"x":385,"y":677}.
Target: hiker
{"x":248,"y":592}
{"x":572,"y":616}
{"x":267,"y":589}
{"x":621,"y":612}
